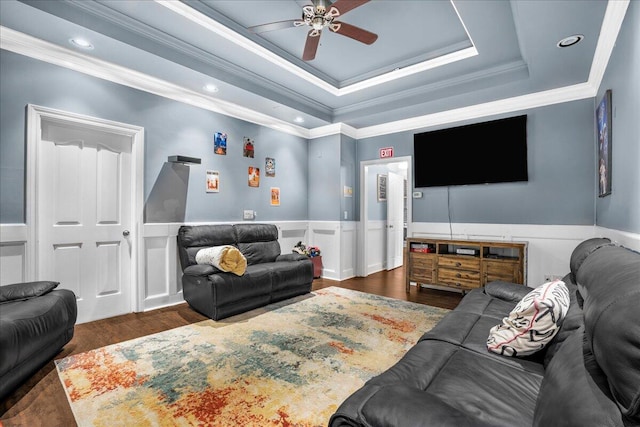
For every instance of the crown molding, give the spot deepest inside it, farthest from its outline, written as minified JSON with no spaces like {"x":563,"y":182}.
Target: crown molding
{"x":24,"y":44}
{"x":251,"y":46}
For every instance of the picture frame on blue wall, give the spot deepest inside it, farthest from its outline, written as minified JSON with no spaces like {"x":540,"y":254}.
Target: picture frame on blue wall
{"x":382,"y":187}
{"x":213,"y":181}
{"x":603,"y":127}
{"x":220,"y":143}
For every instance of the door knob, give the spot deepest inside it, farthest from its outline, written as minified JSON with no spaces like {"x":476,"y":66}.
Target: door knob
{"x":125,"y":233}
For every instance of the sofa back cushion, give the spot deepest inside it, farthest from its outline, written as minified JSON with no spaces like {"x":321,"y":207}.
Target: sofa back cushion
{"x":582,"y":251}
{"x":258,"y":242}
{"x":609,"y":283}
{"x":574,"y":391}
{"x":192,"y":238}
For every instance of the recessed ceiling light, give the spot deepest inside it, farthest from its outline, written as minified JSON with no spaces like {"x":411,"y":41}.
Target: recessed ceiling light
{"x":299,"y":119}
{"x":570,"y":41}
{"x":81,"y":43}
{"x":210,"y":87}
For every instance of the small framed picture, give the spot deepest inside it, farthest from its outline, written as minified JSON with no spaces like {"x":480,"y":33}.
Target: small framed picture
{"x":382,"y":188}
{"x":270,"y":166}
{"x":248,"y":147}
{"x":275,"y":196}
{"x":213,"y":182}
{"x":220,"y":143}
{"x":254,"y":176}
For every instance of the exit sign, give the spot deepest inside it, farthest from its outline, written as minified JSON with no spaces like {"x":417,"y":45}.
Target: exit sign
{"x":386,"y":152}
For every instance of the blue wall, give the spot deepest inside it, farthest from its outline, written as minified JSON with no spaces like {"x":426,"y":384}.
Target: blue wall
{"x":170,"y":128}
{"x":621,"y":209}
{"x":325,"y":187}
{"x":560,"y":189}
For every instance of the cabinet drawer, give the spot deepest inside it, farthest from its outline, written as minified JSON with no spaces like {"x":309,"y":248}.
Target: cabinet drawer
{"x":422,"y":275}
{"x":423,"y":261}
{"x":457,"y":282}
{"x":461,"y":262}
{"x":453,"y":275}
{"x":501,"y":270}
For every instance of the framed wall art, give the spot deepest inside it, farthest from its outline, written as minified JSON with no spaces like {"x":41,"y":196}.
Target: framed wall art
{"x":382,"y":188}
{"x":213,"y":182}
{"x":603,"y":125}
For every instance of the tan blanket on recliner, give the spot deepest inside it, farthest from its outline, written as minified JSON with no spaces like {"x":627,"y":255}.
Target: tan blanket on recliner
{"x":226,"y":258}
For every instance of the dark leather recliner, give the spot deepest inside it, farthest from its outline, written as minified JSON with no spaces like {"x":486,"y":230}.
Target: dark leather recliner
{"x":270,"y":275}
{"x":588,"y":375}
{"x":36,"y":321}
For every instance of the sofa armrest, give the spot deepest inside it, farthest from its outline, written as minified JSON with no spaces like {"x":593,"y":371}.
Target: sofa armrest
{"x":506,"y":291}
{"x":291,"y":257}
{"x":23,"y":291}
{"x":200,"y":270}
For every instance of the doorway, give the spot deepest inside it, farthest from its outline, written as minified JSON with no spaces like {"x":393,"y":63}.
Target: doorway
{"x":383,"y":223}
{"x":84,"y":208}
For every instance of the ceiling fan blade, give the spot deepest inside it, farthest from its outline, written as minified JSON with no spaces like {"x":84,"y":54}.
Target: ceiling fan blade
{"x":344,"y":6}
{"x":311,"y":45}
{"x":353,"y":32}
{"x":272,"y":26}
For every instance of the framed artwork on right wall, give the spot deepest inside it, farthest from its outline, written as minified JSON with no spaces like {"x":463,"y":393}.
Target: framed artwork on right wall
{"x":603,"y":125}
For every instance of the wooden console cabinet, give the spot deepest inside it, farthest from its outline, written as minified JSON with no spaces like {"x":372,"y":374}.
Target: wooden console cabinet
{"x":463,"y":264}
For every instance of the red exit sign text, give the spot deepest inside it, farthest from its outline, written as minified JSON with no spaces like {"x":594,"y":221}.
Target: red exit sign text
{"x":386,"y":152}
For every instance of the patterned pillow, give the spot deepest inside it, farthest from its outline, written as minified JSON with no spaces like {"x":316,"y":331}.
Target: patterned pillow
{"x":532,"y":323}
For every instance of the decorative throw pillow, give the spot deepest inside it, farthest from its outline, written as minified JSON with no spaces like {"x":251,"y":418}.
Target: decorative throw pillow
{"x":532,"y":323}
{"x":226,"y":258}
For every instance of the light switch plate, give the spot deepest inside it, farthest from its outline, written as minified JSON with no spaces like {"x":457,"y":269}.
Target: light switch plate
{"x":417,"y":194}
{"x":249,"y":214}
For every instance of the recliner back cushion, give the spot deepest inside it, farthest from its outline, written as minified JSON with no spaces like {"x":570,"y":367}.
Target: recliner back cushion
{"x":258,"y":242}
{"x":192,"y":238}
{"x":574,"y":390}
{"x":609,"y":282}
{"x":582,"y":251}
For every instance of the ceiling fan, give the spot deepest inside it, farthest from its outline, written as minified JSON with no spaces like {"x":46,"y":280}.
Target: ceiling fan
{"x":322,"y":14}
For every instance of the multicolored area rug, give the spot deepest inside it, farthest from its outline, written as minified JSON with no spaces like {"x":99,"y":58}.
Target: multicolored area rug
{"x":289,"y":364}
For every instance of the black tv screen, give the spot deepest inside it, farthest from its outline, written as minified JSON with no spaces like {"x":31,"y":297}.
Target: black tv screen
{"x":479,"y":153}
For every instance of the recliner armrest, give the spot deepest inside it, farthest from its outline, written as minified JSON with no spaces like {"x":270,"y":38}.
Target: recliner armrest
{"x":291,"y":257}
{"x":200,"y":270}
{"x":506,"y":291}
{"x":26,"y":290}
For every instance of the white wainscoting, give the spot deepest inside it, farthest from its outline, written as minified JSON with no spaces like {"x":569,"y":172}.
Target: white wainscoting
{"x":13,"y":254}
{"x":549,"y":246}
{"x":348,"y":249}
{"x":626,"y":239}
{"x":376,"y":252}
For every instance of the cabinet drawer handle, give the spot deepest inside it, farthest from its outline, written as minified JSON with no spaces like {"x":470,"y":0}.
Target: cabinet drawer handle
{"x":458,"y":264}
{"x":458,"y":275}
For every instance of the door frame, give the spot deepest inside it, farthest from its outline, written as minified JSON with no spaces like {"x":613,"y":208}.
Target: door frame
{"x":363,"y":246}
{"x":36,"y":115}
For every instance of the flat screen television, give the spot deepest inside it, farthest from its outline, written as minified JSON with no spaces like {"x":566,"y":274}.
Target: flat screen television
{"x":488,"y":152}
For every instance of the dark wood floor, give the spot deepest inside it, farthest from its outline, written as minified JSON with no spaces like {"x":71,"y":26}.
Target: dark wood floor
{"x":41,"y":401}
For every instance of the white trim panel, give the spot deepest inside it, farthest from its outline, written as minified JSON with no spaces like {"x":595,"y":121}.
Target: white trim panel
{"x":376,"y":246}
{"x":13,"y":253}
{"x":623,"y":238}
{"x":348,"y":249}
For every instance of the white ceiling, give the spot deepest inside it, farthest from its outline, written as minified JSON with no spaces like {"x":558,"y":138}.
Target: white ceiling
{"x":430,"y":57}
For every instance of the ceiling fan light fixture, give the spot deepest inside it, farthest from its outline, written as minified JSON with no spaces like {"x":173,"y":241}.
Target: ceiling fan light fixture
{"x":570,"y":41}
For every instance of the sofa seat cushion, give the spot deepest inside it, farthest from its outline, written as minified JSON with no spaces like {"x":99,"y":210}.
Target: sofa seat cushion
{"x":28,"y":327}
{"x":469,"y":330}
{"x":229,"y":288}
{"x":440,"y":383}
{"x":290,"y":273}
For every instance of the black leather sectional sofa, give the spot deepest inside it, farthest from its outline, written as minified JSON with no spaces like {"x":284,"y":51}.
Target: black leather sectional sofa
{"x":588,"y":375}
{"x":270,"y":276}
{"x":36,"y":321}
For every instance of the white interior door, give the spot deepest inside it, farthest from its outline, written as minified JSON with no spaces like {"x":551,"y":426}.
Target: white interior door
{"x":395,"y":220}
{"x":84,"y":216}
